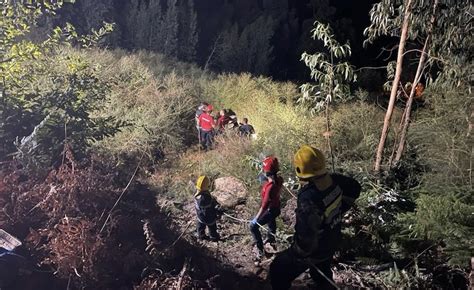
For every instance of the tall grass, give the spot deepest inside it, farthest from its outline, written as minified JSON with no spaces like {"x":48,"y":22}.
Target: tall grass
{"x":153,"y":97}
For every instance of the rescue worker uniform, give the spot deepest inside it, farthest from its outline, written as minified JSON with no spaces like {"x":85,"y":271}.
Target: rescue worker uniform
{"x":270,"y":206}
{"x":320,"y":206}
{"x":270,"y":194}
{"x":317,"y":232}
{"x":206,"y":213}
{"x":246,"y":130}
{"x":206,"y":128}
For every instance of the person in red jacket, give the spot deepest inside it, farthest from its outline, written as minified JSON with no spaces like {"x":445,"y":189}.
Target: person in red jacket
{"x":222,"y":120}
{"x":270,"y":206}
{"x":206,"y":127}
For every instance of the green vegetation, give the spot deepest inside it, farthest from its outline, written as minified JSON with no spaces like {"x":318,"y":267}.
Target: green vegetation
{"x":64,"y":95}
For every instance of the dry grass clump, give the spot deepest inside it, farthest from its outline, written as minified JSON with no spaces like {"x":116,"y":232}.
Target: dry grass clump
{"x":60,"y":217}
{"x":151,"y":97}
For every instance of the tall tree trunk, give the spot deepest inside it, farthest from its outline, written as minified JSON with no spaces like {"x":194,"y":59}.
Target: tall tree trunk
{"x":328,"y":136}
{"x":397,"y":134}
{"x":393,"y":93}
{"x":419,"y":71}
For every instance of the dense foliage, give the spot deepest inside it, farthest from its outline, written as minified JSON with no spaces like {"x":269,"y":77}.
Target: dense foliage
{"x":61,"y":96}
{"x":48,"y":98}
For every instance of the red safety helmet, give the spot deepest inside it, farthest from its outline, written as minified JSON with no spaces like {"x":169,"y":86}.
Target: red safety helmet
{"x":270,"y":165}
{"x":209,"y":108}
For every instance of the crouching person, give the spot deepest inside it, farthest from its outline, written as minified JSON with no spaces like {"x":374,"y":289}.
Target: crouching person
{"x":207,"y":210}
{"x":321,"y":201}
{"x":270,"y":206}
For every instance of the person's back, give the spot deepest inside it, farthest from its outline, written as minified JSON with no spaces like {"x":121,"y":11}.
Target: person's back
{"x":206,"y":121}
{"x":206,"y":209}
{"x":205,"y":206}
{"x":320,"y":204}
{"x":245,"y":128}
{"x":327,"y":195}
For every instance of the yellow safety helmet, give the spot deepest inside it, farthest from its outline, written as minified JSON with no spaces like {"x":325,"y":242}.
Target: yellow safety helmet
{"x":203,"y":183}
{"x":309,"y":162}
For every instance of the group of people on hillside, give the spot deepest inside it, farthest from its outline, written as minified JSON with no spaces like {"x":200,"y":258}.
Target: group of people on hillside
{"x":322,"y":199}
{"x":209,"y":125}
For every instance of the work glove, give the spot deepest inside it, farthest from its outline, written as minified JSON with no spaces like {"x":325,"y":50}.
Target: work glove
{"x":219,"y":211}
{"x":254,"y":221}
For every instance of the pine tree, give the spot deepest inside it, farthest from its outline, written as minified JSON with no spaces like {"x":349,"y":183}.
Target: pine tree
{"x":155,"y":26}
{"x":257,"y":38}
{"x":250,"y":50}
{"x":187,"y":32}
{"x":228,"y":50}
{"x":94,"y":12}
{"x":170,"y":24}
{"x":137,"y":23}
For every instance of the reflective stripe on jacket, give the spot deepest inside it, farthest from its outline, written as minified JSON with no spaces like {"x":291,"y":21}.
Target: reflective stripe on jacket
{"x":205,"y":206}
{"x":318,"y":217}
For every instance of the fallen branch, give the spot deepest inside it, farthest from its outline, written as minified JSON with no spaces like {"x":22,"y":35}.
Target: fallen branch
{"x":184,"y":231}
{"x":51,"y":191}
{"x":121,"y":195}
{"x":183,"y":273}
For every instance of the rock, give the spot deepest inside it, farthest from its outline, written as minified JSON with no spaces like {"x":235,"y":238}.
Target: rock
{"x":288,"y":213}
{"x":229,"y":191}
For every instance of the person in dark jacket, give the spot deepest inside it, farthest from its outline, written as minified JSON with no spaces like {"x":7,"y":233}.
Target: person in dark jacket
{"x":207,"y":210}
{"x":270,"y":206}
{"x":321,"y":202}
{"x":245,"y":128}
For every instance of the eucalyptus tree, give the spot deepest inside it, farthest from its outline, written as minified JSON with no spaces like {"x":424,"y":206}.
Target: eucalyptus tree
{"x":439,"y":27}
{"x":386,"y":18}
{"x":332,"y":74}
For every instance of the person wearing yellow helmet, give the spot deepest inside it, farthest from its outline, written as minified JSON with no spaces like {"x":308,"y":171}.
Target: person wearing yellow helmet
{"x":321,"y":201}
{"x":206,"y":209}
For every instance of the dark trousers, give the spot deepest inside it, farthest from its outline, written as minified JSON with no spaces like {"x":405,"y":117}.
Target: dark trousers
{"x":269,"y":217}
{"x":201,"y":230}
{"x":206,"y":139}
{"x":286,"y":267}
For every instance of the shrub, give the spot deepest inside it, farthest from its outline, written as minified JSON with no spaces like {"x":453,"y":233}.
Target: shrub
{"x":154,"y":101}
{"x":443,"y":215}
{"x":45,"y":106}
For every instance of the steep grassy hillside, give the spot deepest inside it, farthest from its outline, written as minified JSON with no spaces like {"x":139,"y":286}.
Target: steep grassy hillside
{"x":419,"y":216}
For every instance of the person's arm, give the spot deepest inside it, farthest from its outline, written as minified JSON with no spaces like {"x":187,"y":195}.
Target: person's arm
{"x":350,"y":190}
{"x":199,"y":120}
{"x":213,"y":122}
{"x":308,"y":224}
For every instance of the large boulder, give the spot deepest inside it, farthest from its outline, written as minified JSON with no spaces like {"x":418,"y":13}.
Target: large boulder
{"x":229,"y":191}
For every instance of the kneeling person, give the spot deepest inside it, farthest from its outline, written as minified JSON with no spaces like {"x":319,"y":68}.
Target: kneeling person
{"x":206,"y":209}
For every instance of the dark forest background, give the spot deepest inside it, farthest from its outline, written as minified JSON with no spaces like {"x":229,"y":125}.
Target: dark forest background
{"x":263,"y":37}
